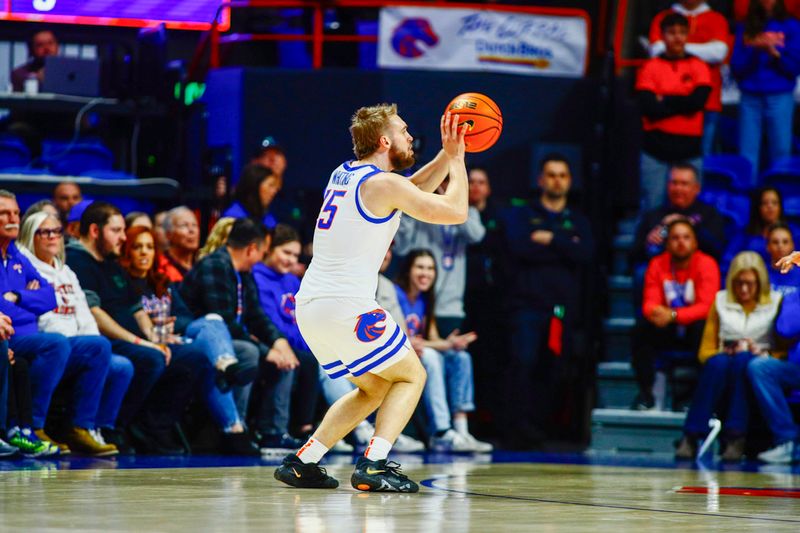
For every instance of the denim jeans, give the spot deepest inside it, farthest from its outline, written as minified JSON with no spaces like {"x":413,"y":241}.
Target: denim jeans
{"x":770,"y":378}
{"x":770,"y":112}
{"x":247,"y":353}
{"x":118,"y":379}
{"x":721,"y":373}
{"x":148,"y":365}
{"x":47,"y":354}
{"x":449,"y":388}
{"x":4,"y":384}
{"x":710,"y":122}
{"x":88,"y":363}
{"x":211,"y":336}
{"x":654,"y":177}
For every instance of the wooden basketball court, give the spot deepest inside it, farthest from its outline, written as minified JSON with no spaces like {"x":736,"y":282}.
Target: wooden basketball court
{"x":460,"y":494}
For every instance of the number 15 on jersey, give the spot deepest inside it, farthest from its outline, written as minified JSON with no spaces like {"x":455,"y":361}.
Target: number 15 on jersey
{"x":329,"y":208}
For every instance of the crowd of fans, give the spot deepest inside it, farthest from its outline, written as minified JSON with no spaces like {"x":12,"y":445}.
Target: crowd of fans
{"x":709,"y":292}
{"x":130,"y":324}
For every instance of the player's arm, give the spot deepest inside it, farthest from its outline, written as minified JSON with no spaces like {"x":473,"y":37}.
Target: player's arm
{"x":429,"y":177}
{"x":387,"y":192}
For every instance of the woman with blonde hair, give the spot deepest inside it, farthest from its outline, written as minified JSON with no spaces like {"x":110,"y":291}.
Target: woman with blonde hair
{"x":101,"y":378}
{"x":217,"y":237}
{"x":740,"y":326}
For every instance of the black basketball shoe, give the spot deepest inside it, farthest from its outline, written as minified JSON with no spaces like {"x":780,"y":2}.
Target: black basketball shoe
{"x":302,"y":475}
{"x":381,"y":476}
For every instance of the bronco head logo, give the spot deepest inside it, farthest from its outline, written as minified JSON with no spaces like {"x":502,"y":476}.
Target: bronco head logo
{"x":288,"y":304}
{"x":370,"y":325}
{"x":409,"y":34}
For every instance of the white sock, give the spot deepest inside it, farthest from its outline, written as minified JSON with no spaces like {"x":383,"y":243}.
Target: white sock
{"x":312,"y":451}
{"x":378,"y":449}
{"x":460,"y":425}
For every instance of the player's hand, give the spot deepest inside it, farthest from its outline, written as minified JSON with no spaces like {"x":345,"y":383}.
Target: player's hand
{"x":33,"y":285}
{"x":11,"y":356}
{"x":785,"y":264}
{"x":452,"y":139}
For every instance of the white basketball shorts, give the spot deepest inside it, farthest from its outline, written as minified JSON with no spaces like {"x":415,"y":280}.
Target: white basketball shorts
{"x":350,"y":336}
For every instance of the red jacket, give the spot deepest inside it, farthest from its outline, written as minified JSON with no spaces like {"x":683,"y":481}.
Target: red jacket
{"x":704,"y":27}
{"x":702,"y":270}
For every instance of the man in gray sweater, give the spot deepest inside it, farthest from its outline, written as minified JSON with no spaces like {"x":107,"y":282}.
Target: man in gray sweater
{"x":448,"y":244}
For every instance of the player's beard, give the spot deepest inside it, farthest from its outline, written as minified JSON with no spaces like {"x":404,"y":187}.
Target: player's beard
{"x":400,"y":161}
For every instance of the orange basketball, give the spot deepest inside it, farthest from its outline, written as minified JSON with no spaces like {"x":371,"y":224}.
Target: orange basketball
{"x":482,"y":117}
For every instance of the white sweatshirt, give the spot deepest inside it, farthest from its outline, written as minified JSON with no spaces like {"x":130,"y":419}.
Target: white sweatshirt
{"x":72,"y":317}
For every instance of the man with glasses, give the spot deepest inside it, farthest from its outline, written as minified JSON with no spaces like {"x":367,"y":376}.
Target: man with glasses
{"x":183,"y":234}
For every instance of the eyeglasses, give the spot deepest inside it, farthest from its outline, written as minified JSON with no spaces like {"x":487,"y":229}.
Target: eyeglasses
{"x":50,"y":232}
{"x":744,"y":283}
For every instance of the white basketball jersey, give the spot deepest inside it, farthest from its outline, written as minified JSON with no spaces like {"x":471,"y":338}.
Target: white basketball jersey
{"x":349,"y":241}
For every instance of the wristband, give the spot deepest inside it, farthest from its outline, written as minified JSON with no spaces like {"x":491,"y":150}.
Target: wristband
{"x":674,"y":315}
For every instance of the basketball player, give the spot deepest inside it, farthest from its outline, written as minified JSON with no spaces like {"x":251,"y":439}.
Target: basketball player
{"x":346,"y":329}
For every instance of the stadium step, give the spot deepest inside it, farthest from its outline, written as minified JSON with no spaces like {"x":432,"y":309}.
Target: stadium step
{"x":621,"y":296}
{"x":616,"y":385}
{"x":618,"y":337}
{"x":621,"y":245}
{"x":626,"y":431}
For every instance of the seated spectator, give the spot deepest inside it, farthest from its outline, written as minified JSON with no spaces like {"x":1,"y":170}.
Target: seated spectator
{"x":673,"y":89}
{"x":765,"y":63}
{"x":222,"y":283}
{"x":772,"y":377}
{"x":448,"y":243}
{"x":73,"y":227}
{"x":708,"y":40}
{"x":448,"y":393}
{"x":66,"y":195}
{"x":158,"y":230}
{"x":165,"y":375}
{"x":98,"y":399}
{"x":679,"y":289}
{"x":42,"y":205}
{"x":273,"y":157}
{"x":780,"y":243}
{"x":766,"y":209}
{"x":549,"y":244}
{"x":253,"y":195}
{"x":208,"y":334}
{"x":42,"y":44}
{"x":138,"y":218}
{"x":183,"y":235}
{"x":740,"y":8}
{"x":20,"y":412}
{"x":217,"y":237}
{"x":740,"y":326}
{"x":683,"y":189}
{"x":16,"y":423}
{"x":276,"y":288}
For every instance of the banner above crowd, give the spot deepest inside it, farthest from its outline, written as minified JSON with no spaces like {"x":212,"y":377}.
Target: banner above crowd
{"x":483,"y":40}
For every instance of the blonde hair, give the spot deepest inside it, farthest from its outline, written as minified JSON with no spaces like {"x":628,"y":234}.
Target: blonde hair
{"x":28,"y":230}
{"x":217,"y":238}
{"x":367,"y":125}
{"x":749,"y":261}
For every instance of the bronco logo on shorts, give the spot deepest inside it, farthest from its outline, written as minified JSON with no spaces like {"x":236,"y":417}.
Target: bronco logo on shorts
{"x":370,"y":325}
